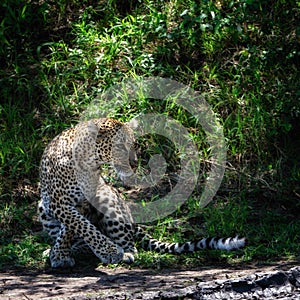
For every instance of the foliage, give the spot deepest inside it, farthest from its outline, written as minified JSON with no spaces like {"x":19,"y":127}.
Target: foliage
{"x":57,"y":56}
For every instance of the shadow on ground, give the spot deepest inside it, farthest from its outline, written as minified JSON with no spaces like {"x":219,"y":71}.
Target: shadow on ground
{"x":244,"y":282}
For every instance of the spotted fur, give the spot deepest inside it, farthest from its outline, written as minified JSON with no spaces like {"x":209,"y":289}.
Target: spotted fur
{"x":81,"y":212}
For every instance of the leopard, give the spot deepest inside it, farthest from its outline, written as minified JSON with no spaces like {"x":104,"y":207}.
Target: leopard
{"x":81,"y":212}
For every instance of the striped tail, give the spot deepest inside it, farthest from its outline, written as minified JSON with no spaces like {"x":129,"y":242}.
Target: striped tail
{"x":150,"y":244}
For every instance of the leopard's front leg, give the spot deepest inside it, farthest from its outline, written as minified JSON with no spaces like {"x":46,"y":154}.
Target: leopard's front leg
{"x":60,"y":253}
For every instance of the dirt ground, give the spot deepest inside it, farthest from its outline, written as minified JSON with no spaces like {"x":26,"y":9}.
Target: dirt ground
{"x":134,"y":283}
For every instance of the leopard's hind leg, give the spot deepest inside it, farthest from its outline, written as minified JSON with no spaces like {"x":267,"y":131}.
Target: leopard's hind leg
{"x":78,"y":225}
{"x":114,"y":219}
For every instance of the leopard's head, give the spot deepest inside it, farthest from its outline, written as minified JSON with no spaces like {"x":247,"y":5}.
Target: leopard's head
{"x":115,"y":145}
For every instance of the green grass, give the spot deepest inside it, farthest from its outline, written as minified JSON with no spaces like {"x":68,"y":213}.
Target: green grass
{"x":243,"y":55}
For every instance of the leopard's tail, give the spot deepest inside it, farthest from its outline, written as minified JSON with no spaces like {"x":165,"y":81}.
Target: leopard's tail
{"x":150,"y":244}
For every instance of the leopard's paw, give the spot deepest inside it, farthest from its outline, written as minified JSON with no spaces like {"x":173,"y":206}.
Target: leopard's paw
{"x":58,"y":260}
{"x":128,"y":258}
{"x":114,"y":256}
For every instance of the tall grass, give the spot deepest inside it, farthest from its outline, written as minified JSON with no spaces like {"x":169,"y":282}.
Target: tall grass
{"x":243,"y":55}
